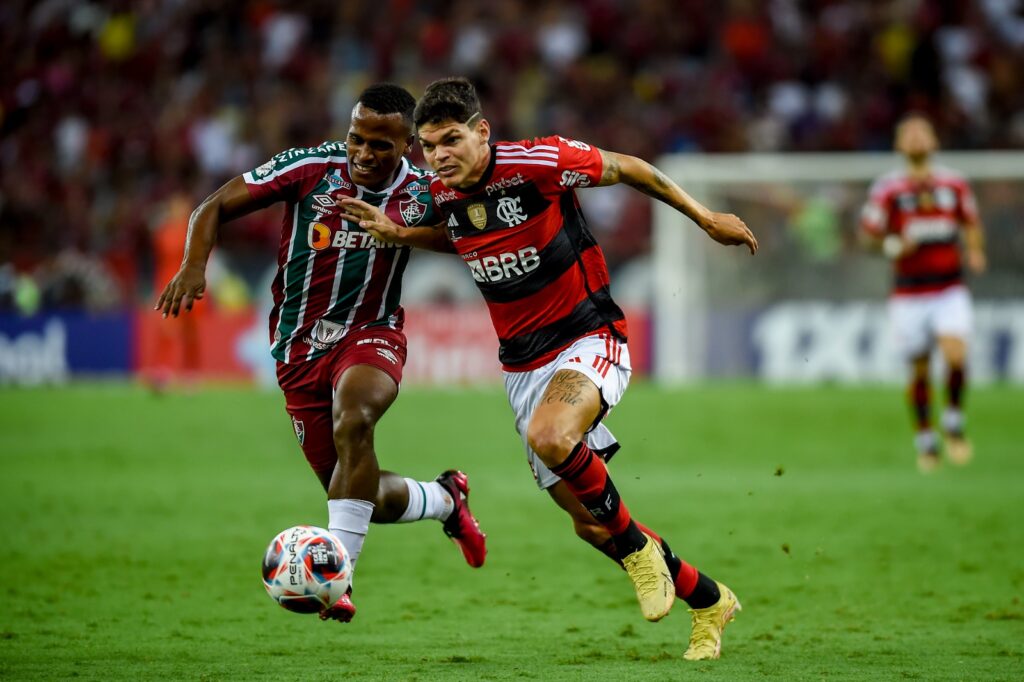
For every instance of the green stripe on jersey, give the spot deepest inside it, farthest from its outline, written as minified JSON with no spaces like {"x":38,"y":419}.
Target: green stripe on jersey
{"x":353,"y":274}
{"x":394,"y":293}
{"x":294,"y":287}
{"x":280,"y":163}
{"x":294,"y":319}
{"x":347,"y":274}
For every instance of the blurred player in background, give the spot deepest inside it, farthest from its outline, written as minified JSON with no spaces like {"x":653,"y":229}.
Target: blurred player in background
{"x":336,"y":325}
{"x":176,"y":346}
{"x":509,"y":210}
{"x":921,"y":218}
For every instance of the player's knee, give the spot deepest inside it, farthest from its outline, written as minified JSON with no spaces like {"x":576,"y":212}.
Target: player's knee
{"x":551,"y":443}
{"x":956,"y":355}
{"x":353,"y":425}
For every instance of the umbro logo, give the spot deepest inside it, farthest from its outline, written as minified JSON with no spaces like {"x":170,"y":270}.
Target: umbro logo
{"x":388,"y":355}
{"x":323,"y":203}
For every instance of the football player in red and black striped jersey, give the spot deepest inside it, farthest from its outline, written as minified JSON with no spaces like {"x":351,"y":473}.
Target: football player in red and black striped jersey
{"x":509,"y":210}
{"x":922,"y":218}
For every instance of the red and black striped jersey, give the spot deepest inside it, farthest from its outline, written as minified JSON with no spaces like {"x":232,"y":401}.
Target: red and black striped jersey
{"x":522,"y":234}
{"x":332,"y":275}
{"x":931,"y":213}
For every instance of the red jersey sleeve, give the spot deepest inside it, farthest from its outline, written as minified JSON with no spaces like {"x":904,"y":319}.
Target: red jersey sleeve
{"x":577,"y":164}
{"x":967,"y":205}
{"x":874,"y":216}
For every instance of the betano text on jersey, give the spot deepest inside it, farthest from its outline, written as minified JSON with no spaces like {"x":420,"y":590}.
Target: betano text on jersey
{"x":334,"y":277}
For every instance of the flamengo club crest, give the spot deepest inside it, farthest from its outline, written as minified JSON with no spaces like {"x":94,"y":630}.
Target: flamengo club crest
{"x":412,"y":211}
{"x":510,"y":211}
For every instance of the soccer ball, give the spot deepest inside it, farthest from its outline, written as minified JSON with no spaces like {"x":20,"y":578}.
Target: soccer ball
{"x":306,"y":569}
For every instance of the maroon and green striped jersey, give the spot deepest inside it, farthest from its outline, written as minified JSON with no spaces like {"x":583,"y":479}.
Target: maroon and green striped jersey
{"x":333,"y":276}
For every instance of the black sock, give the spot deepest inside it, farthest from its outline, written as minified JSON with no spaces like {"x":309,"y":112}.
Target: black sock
{"x":610,"y":550}
{"x":586,"y":477}
{"x":630,"y":540}
{"x":705,"y":594}
{"x":671,"y":560}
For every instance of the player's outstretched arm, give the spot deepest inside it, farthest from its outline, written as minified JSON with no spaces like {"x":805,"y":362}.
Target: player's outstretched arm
{"x":724,"y":228}
{"x":189,"y":284}
{"x":974,"y":239}
{"x":373,"y":220}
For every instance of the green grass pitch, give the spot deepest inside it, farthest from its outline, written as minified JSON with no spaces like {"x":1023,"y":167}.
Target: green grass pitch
{"x":133,"y":528}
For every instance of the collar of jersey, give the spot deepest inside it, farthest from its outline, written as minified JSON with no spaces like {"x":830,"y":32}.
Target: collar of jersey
{"x":403,"y":170}
{"x":485,"y":178}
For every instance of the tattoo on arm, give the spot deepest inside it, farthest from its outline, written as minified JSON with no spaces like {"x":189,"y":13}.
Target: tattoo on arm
{"x":566,"y":387}
{"x":660,"y":179}
{"x":610,"y":174}
{"x":657,"y":186}
{"x":644,"y":177}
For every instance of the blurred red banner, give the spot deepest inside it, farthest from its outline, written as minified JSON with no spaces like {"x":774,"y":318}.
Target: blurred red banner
{"x":448,"y":345}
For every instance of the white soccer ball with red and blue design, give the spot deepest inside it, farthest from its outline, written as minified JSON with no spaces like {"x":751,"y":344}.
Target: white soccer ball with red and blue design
{"x":306,"y":569}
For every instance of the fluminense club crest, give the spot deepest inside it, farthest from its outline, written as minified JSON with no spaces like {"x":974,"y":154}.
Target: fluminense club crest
{"x":412,"y":211}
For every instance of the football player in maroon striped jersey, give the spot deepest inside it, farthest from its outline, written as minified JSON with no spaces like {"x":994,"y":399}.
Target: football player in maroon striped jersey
{"x":509,"y":210}
{"x":921,"y":218}
{"x":336,"y":326}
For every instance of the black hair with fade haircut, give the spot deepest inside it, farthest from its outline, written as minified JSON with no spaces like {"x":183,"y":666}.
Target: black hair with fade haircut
{"x":448,"y":99}
{"x":388,"y":98}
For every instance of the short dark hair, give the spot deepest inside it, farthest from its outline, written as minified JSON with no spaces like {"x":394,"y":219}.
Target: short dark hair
{"x":448,"y":99}
{"x":388,"y":98}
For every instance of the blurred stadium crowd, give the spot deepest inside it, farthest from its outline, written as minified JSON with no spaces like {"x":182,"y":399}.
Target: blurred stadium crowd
{"x":115,"y":114}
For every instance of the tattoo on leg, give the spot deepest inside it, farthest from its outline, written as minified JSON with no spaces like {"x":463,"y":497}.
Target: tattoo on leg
{"x":566,"y":387}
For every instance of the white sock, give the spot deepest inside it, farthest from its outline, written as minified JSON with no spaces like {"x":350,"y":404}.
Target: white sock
{"x":926,"y":441}
{"x":953,"y":420}
{"x":349,"y":520}
{"x":426,"y":501}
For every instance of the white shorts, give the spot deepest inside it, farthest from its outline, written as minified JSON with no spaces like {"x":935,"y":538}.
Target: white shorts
{"x":601,"y":359}
{"x":917,"y":319}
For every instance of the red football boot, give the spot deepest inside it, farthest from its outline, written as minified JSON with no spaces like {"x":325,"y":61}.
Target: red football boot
{"x":461,"y":527}
{"x":342,"y":610}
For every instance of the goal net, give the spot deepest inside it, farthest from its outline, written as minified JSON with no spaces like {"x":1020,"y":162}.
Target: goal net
{"x":810,"y":307}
